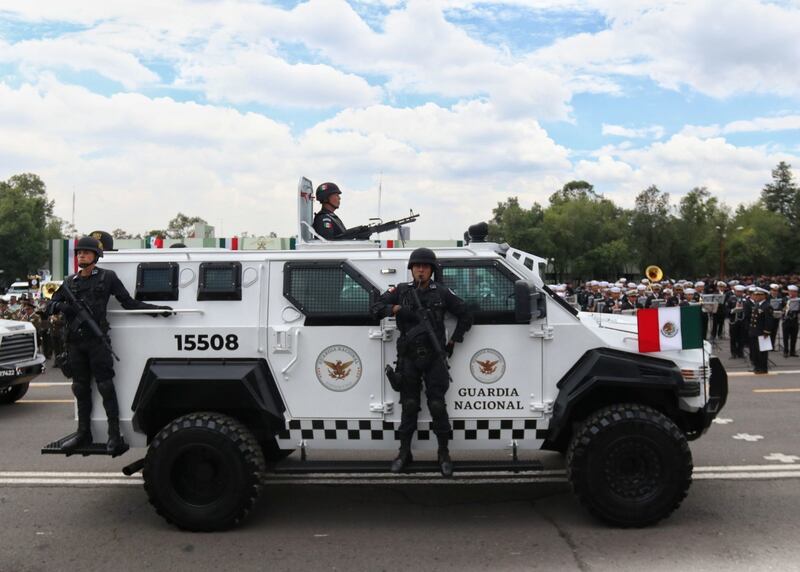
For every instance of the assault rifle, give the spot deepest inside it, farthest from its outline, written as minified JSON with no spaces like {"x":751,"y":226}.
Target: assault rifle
{"x":425,"y":319}
{"x":364,"y":231}
{"x":395,"y":376}
{"x":83,"y":316}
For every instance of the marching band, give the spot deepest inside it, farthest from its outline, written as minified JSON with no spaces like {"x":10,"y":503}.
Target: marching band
{"x":720,"y":302}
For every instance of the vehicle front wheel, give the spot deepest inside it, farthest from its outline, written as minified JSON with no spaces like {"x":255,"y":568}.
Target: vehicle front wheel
{"x":203,"y":472}
{"x":13,"y":393}
{"x":630,"y":465}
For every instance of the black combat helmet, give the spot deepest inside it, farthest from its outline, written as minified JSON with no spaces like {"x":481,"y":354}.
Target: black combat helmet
{"x":106,"y":240}
{"x":424,"y":256}
{"x":90,"y":243}
{"x":325,"y":190}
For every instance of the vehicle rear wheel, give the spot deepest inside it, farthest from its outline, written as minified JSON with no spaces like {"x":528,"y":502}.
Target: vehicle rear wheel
{"x":630,"y":465}
{"x":13,"y":393}
{"x":203,"y":472}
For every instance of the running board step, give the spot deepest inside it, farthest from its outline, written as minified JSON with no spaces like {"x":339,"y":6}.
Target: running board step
{"x":293,"y":467}
{"x":55,"y":448}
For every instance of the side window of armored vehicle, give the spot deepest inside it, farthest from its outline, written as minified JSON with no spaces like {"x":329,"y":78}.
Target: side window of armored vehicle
{"x":157,"y":281}
{"x":486,"y":286}
{"x":329,"y":293}
{"x":220,"y":281}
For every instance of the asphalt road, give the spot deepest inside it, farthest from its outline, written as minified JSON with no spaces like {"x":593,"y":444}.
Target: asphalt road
{"x":742,"y":513}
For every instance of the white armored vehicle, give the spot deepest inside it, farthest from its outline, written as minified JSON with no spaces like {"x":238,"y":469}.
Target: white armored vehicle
{"x":276,"y":351}
{"x":20,"y":360}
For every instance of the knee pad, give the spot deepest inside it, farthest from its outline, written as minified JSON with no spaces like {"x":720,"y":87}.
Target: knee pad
{"x":81,"y":390}
{"x":410,"y":404}
{"x":106,"y":388}
{"x":437,"y":407}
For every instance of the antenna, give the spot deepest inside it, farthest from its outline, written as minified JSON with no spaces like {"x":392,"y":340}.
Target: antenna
{"x":380,"y":192}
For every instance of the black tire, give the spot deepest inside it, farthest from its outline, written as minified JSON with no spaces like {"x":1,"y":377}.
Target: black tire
{"x":13,"y":393}
{"x":630,"y":465}
{"x":203,"y":472}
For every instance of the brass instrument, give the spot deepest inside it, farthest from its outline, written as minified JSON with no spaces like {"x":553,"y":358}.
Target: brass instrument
{"x":653,"y":273}
{"x":49,"y":288}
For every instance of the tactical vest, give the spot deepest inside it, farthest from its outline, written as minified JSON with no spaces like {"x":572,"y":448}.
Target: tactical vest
{"x":416,"y":333}
{"x":94,"y":291}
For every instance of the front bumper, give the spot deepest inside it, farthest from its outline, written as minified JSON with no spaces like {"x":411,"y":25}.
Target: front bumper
{"x":717,"y":392}
{"x":22,"y":372}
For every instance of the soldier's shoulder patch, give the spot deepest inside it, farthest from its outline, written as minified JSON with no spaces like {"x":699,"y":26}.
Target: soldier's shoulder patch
{"x":327,"y":224}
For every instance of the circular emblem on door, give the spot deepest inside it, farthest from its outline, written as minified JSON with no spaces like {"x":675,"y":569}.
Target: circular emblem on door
{"x":487,"y":366}
{"x":338,"y":368}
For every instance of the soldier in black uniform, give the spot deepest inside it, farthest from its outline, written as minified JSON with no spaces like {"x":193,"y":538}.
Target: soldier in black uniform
{"x":759,"y":323}
{"x":416,"y":357}
{"x":735,"y":308}
{"x":790,"y":313}
{"x":88,"y":356}
{"x":326,"y":223}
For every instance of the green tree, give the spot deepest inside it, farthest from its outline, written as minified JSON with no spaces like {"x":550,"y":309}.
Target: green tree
{"x":181,"y":226}
{"x":574,"y":190}
{"x":586,"y":237}
{"x":26,"y":224}
{"x":697,"y":245}
{"x":781,"y":195}
{"x":653,"y":229}
{"x":759,"y":246}
{"x":519,"y":227}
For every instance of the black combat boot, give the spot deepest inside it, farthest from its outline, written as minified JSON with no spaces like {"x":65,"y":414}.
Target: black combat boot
{"x":404,"y":457}
{"x":115,"y":440}
{"x":84,"y":434}
{"x":445,"y":463}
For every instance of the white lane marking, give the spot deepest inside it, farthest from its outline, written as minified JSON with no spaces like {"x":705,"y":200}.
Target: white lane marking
{"x":50,"y":383}
{"x":774,"y":372}
{"x":70,"y":482}
{"x":782,"y":458}
{"x":86,"y":479}
{"x":740,"y":468}
{"x":738,"y":476}
{"x":721,"y":420}
{"x":747,"y":437}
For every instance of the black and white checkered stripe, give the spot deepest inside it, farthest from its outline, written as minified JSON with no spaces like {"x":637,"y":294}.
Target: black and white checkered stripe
{"x":379,"y":430}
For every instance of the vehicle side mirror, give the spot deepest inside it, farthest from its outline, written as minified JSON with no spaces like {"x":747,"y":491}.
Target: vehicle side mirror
{"x":528,"y":302}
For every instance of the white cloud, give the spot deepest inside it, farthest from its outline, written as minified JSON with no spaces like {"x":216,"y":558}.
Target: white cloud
{"x":652,"y":131}
{"x":263,"y":78}
{"x":35,"y":55}
{"x":136,"y":161}
{"x":735,"y":174}
{"x":755,"y":125}
{"x":717,"y":47}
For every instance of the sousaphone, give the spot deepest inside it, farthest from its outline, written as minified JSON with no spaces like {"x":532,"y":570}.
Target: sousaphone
{"x":653,"y":273}
{"x":48,"y":289}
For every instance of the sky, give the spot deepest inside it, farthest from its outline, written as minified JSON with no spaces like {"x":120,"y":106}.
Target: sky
{"x":217,"y":108}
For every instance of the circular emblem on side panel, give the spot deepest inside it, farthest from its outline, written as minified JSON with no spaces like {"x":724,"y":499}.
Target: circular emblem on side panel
{"x":487,"y":366}
{"x":338,"y":368}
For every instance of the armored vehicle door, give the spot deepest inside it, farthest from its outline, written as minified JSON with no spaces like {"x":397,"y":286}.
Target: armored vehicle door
{"x":323,"y":345}
{"x":496,"y":392}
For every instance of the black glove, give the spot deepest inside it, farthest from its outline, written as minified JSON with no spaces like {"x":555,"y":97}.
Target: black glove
{"x":166,"y":314}
{"x":65,"y":308}
{"x":450,"y":347}
{"x":406,"y":313}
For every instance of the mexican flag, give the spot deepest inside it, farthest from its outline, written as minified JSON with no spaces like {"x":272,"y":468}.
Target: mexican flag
{"x":229,"y":243}
{"x":663,"y":329}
